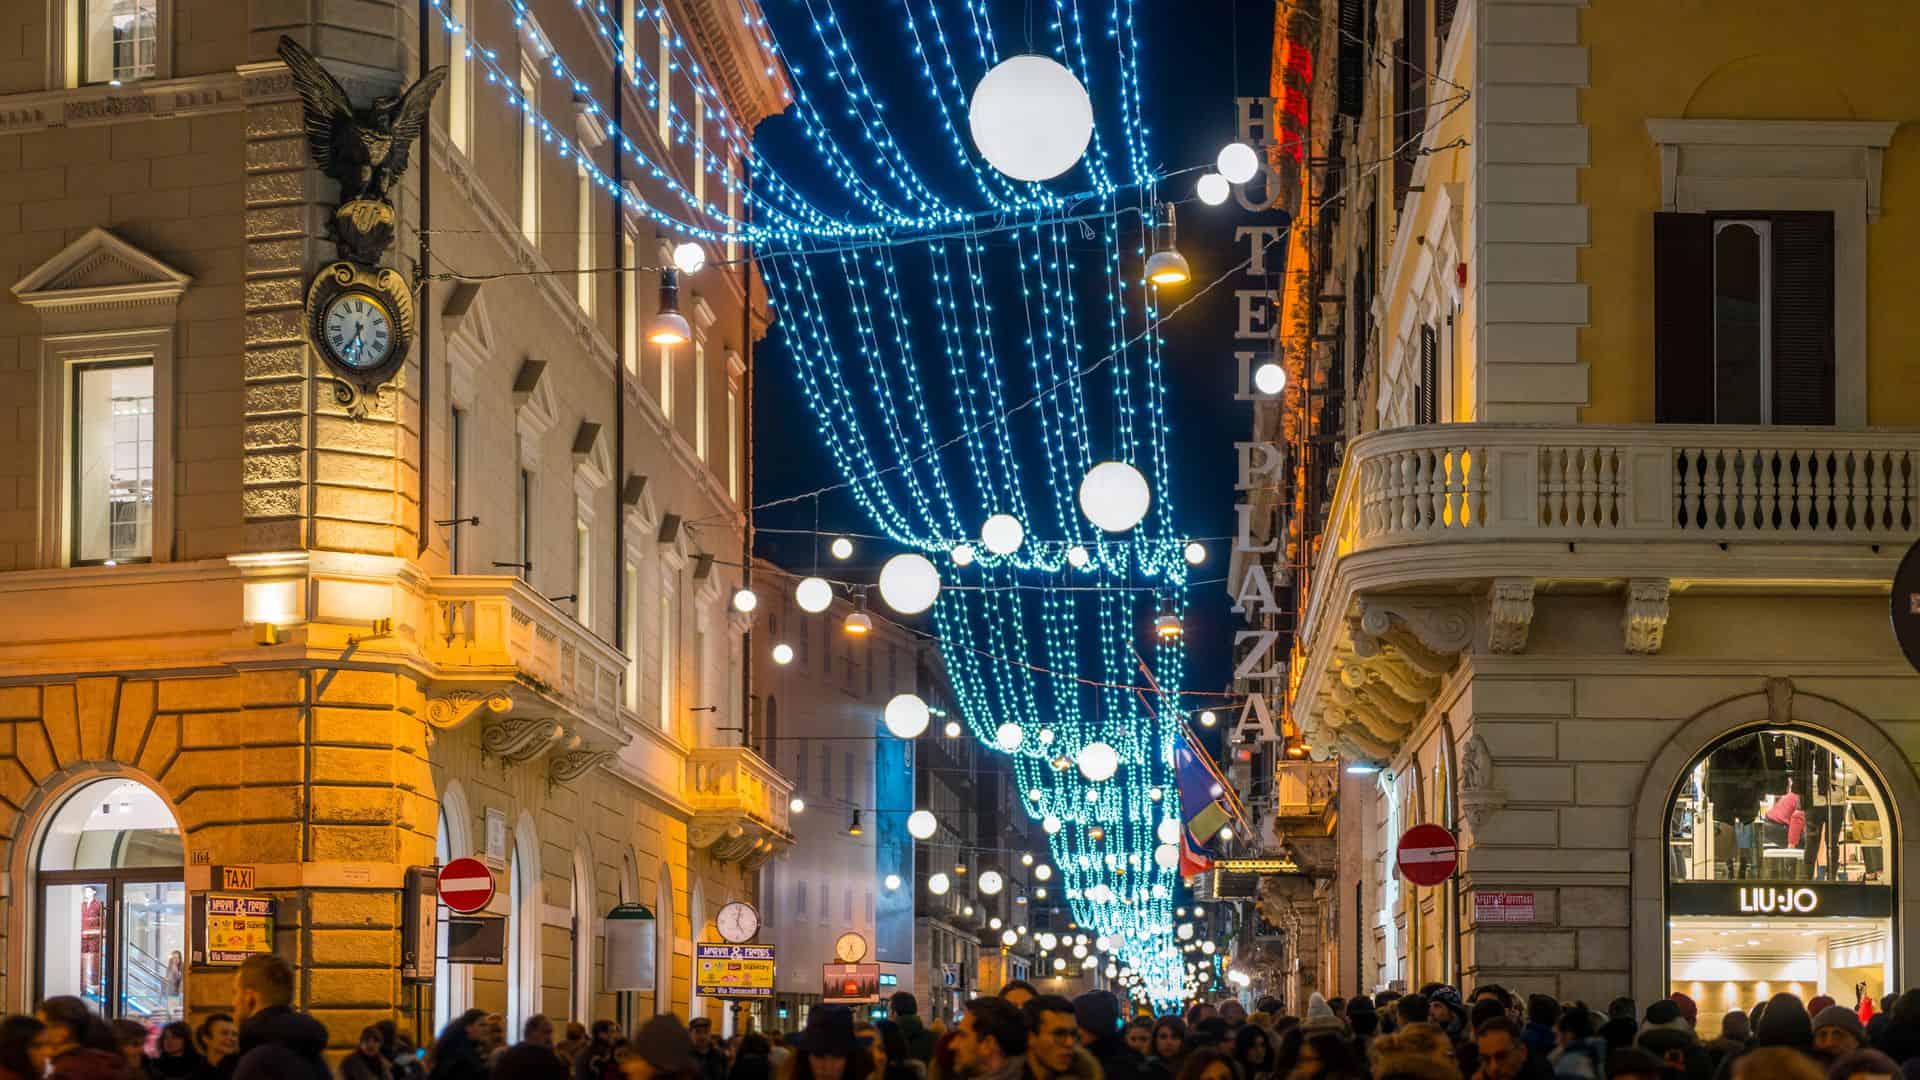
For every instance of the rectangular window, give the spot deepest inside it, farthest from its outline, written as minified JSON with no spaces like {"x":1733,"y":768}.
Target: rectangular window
{"x":733,"y":441}
{"x":529,"y":152}
{"x":630,"y":307}
{"x":666,"y":382}
{"x":1410,"y":95}
{"x":583,"y":249}
{"x":1744,"y":318}
{"x":733,"y":211}
{"x":826,"y":913}
{"x":112,"y":463}
{"x":459,"y":106}
{"x":799,"y":768}
{"x":669,"y":640}
{"x":846,"y":904}
{"x":120,"y":40}
{"x":700,"y":399}
{"x":457,"y":481}
{"x":663,"y":74}
{"x":1426,"y":396}
{"x":699,"y":149}
{"x":582,"y":573}
{"x":826,"y":773}
{"x":631,"y":618}
{"x":525,"y":499}
{"x":800,"y":897}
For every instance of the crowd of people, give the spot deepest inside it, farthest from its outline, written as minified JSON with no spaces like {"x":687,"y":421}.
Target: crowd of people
{"x":1016,"y":1034}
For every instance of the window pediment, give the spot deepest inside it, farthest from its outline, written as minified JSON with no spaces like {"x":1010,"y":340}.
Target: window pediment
{"x":99,"y":272}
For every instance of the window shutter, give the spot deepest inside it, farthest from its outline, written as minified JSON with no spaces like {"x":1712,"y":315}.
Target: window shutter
{"x":1802,"y":317}
{"x":1352,"y":65}
{"x":1442,"y":22}
{"x":1426,"y":403}
{"x":1683,"y":318}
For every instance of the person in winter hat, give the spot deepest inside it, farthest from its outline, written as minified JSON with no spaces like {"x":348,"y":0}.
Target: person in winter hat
{"x":1445,"y":1008}
{"x":1837,"y":1032}
{"x":1734,"y":1034}
{"x":1688,"y":1010}
{"x":1582,"y":1054}
{"x":1784,"y":1025}
{"x":1320,"y":1019}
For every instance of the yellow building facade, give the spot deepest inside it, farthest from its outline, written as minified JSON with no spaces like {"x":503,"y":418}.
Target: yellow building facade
{"x":1615,"y":462}
{"x":260,"y":652}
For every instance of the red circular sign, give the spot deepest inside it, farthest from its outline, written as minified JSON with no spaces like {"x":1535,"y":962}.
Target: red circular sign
{"x":1428,"y":855}
{"x":466,"y":885}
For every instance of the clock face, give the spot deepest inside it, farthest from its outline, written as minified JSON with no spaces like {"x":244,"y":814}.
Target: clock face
{"x":737,"y":922}
{"x":357,"y":330}
{"x":851,"y":948}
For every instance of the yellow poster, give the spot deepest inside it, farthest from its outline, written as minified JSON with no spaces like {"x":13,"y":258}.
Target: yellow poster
{"x":238,"y":927}
{"x":733,"y":970}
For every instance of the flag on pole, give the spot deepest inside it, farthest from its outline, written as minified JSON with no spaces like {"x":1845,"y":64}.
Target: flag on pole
{"x":1203,"y":806}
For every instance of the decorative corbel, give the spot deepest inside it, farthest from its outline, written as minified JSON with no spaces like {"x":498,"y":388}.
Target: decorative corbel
{"x":446,"y":713}
{"x":1779,"y":701}
{"x":571,"y":765}
{"x":1442,"y":625}
{"x":1509,"y":614}
{"x":518,"y":739}
{"x":1645,"y":617}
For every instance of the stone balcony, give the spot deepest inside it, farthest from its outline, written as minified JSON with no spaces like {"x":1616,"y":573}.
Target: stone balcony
{"x":740,"y":805}
{"x":1439,"y":537}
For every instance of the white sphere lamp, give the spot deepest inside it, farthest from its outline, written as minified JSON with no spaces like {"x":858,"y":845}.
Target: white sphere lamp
{"x":991,"y":882}
{"x":938,"y":884}
{"x":1030,"y":118}
{"x":689,"y":257}
{"x":1003,"y":534}
{"x":1115,"y":496}
{"x":1270,"y":378}
{"x":962,"y":554}
{"x":921,"y":825}
{"x":1009,"y":736}
{"x":1166,"y":856}
{"x":745,"y":600}
{"x":813,"y":595}
{"x":1098,"y":761}
{"x":783,"y":654}
{"x":1168,"y":831}
{"x":1237,"y":162}
{"x":907,"y":716}
{"x":909,"y":583}
{"x":1212,"y":189}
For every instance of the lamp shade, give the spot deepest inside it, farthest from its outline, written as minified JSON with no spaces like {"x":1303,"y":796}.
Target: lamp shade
{"x":907,"y":716}
{"x":909,"y":583}
{"x":1115,"y":496}
{"x":1030,"y":117}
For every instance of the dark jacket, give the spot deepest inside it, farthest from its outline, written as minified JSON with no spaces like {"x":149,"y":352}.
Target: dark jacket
{"x":751,"y":1067}
{"x":919,"y":1039}
{"x":530,"y":1061}
{"x":278,"y":1043}
{"x":85,"y":1063}
{"x":187,"y":1066}
{"x":459,"y":1063}
{"x":1540,"y":1039}
{"x":1118,"y":1061}
{"x":711,"y":1065}
{"x":595,"y":1062}
{"x":358,"y":1066}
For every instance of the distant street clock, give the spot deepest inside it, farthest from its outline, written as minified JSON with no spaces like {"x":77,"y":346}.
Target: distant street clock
{"x":737,"y":922}
{"x":361,"y":319}
{"x":851,"y":948}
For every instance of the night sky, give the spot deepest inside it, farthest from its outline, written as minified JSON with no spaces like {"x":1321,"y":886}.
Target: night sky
{"x":1191,"y":72}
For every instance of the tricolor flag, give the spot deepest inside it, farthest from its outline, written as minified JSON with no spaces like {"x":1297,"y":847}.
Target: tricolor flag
{"x":1203,"y":807}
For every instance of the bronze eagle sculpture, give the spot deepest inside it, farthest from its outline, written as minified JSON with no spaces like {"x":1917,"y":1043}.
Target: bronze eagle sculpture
{"x":364,"y":149}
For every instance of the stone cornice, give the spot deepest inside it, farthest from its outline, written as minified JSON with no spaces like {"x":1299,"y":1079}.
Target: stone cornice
{"x":735,"y":58}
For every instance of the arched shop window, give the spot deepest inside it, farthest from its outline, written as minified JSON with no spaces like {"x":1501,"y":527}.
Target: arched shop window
{"x":112,"y":903}
{"x":1779,"y":874}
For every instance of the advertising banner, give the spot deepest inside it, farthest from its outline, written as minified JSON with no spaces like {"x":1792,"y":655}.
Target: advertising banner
{"x":851,"y":984}
{"x":744,"y":971}
{"x":238,"y":927}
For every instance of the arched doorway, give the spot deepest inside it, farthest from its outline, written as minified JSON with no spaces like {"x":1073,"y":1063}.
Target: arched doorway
{"x":1779,"y":862}
{"x":111,"y":902}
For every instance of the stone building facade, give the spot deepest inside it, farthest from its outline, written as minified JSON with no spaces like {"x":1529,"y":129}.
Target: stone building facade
{"x":1592,"y":560}
{"x":252,"y":644}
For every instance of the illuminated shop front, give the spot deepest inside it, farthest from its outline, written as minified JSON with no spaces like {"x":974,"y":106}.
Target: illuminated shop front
{"x":1779,"y":875}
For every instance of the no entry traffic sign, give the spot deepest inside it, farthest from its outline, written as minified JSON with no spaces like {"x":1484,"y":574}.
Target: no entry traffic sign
{"x":466,"y":885}
{"x":1427,"y":855}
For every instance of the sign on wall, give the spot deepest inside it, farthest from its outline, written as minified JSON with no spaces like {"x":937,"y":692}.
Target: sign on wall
{"x":1503,"y":907}
{"x":744,"y":971}
{"x":238,"y":927}
{"x":1782,"y":899}
{"x":632,"y":948}
{"x":851,"y":984}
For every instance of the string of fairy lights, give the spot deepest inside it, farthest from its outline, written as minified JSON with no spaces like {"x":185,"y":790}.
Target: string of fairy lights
{"x":901,"y":324}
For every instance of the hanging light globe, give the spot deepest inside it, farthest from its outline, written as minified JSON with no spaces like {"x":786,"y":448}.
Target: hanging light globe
{"x":783,"y":654}
{"x":1155,"y":794}
{"x":1050,"y":824}
{"x":938,"y":884}
{"x":921,"y":825}
{"x":1269,"y":378}
{"x":1208,"y":718}
{"x":1212,"y":189}
{"x":991,"y":882}
{"x":1080,"y":951}
{"x":1237,"y":162}
{"x":962,"y":554}
{"x":906,"y":716}
{"x":1009,"y":736}
{"x":813,"y":595}
{"x":1195,"y":553}
{"x":745,"y":600}
{"x":995,"y":923}
{"x":842,"y":548}
{"x":1207,"y":947}
{"x":1114,"y":496}
{"x":797,"y":804}
{"x":1059,"y":963}
{"x":1168,"y":831}
{"x":1168,"y":267}
{"x":1098,"y":761}
{"x":1077,"y":557}
{"x":1026,"y":858}
{"x":1167,"y":856}
{"x":1003,"y":534}
{"x":1185,"y":933}
{"x":909,"y":583}
{"x":892,"y":882}
{"x":1009,"y":938}
{"x":1030,"y":117}
{"x":952,"y":730}
{"x":1167,"y":626}
{"x":689,"y":257}
{"x":1043,"y":872}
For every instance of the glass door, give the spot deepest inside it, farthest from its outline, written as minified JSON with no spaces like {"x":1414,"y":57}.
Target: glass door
{"x":152,"y":950}
{"x":74,"y":919}
{"x":117,"y":941}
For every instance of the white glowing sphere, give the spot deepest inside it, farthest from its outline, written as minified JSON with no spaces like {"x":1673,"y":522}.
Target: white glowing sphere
{"x":1114,"y":496}
{"x":1003,"y":534}
{"x":1112,"y":971}
{"x":1238,"y":163}
{"x":797,"y":804}
{"x":909,"y":583}
{"x":689,"y":257}
{"x":744,"y":601}
{"x":1026,"y":858}
{"x":1098,"y":761}
{"x":1155,"y":794}
{"x":1185,"y":933}
{"x":1168,"y":831}
{"x":1213,"y":189}
{"x":962,"y":554}
{"x":1034,"y":795}
{"x":907,"y":716}
{"x":1030,"y":117}
{"x":1226,"y":832}
{"x":1079,"y":952}
{"x":1103,"y":943}
{"x":991,"y":883}
{"x":1009,"y":938}
{"x":783,"y":654}
{"x":1207,"y":947}
{"x":952,"y":730}
{"x":1078,"y":558}
{"x":994,"y":923}
{"x":813,"y":595}
{"x":1009,"y":736}
{"x":1195,"y":553}
{"x":921,"y":824}
{"x":1046,"y":736}
{"x":892,"y":882}
{"x":842,"y":548}
{"x":1043,"y":872}
{"x":1208,"y":718}
{"x":1059,"y":963}
{"x":1050,"y":824}
{"x":1269,"y":378}
{"x":1166,"y":856}
{"x":938,"y":884}
{"x":1048,"y":941}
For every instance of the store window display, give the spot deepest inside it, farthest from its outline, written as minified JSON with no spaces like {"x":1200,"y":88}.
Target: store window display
{"x":112,"y":903}
{"x":1774,"y":805}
